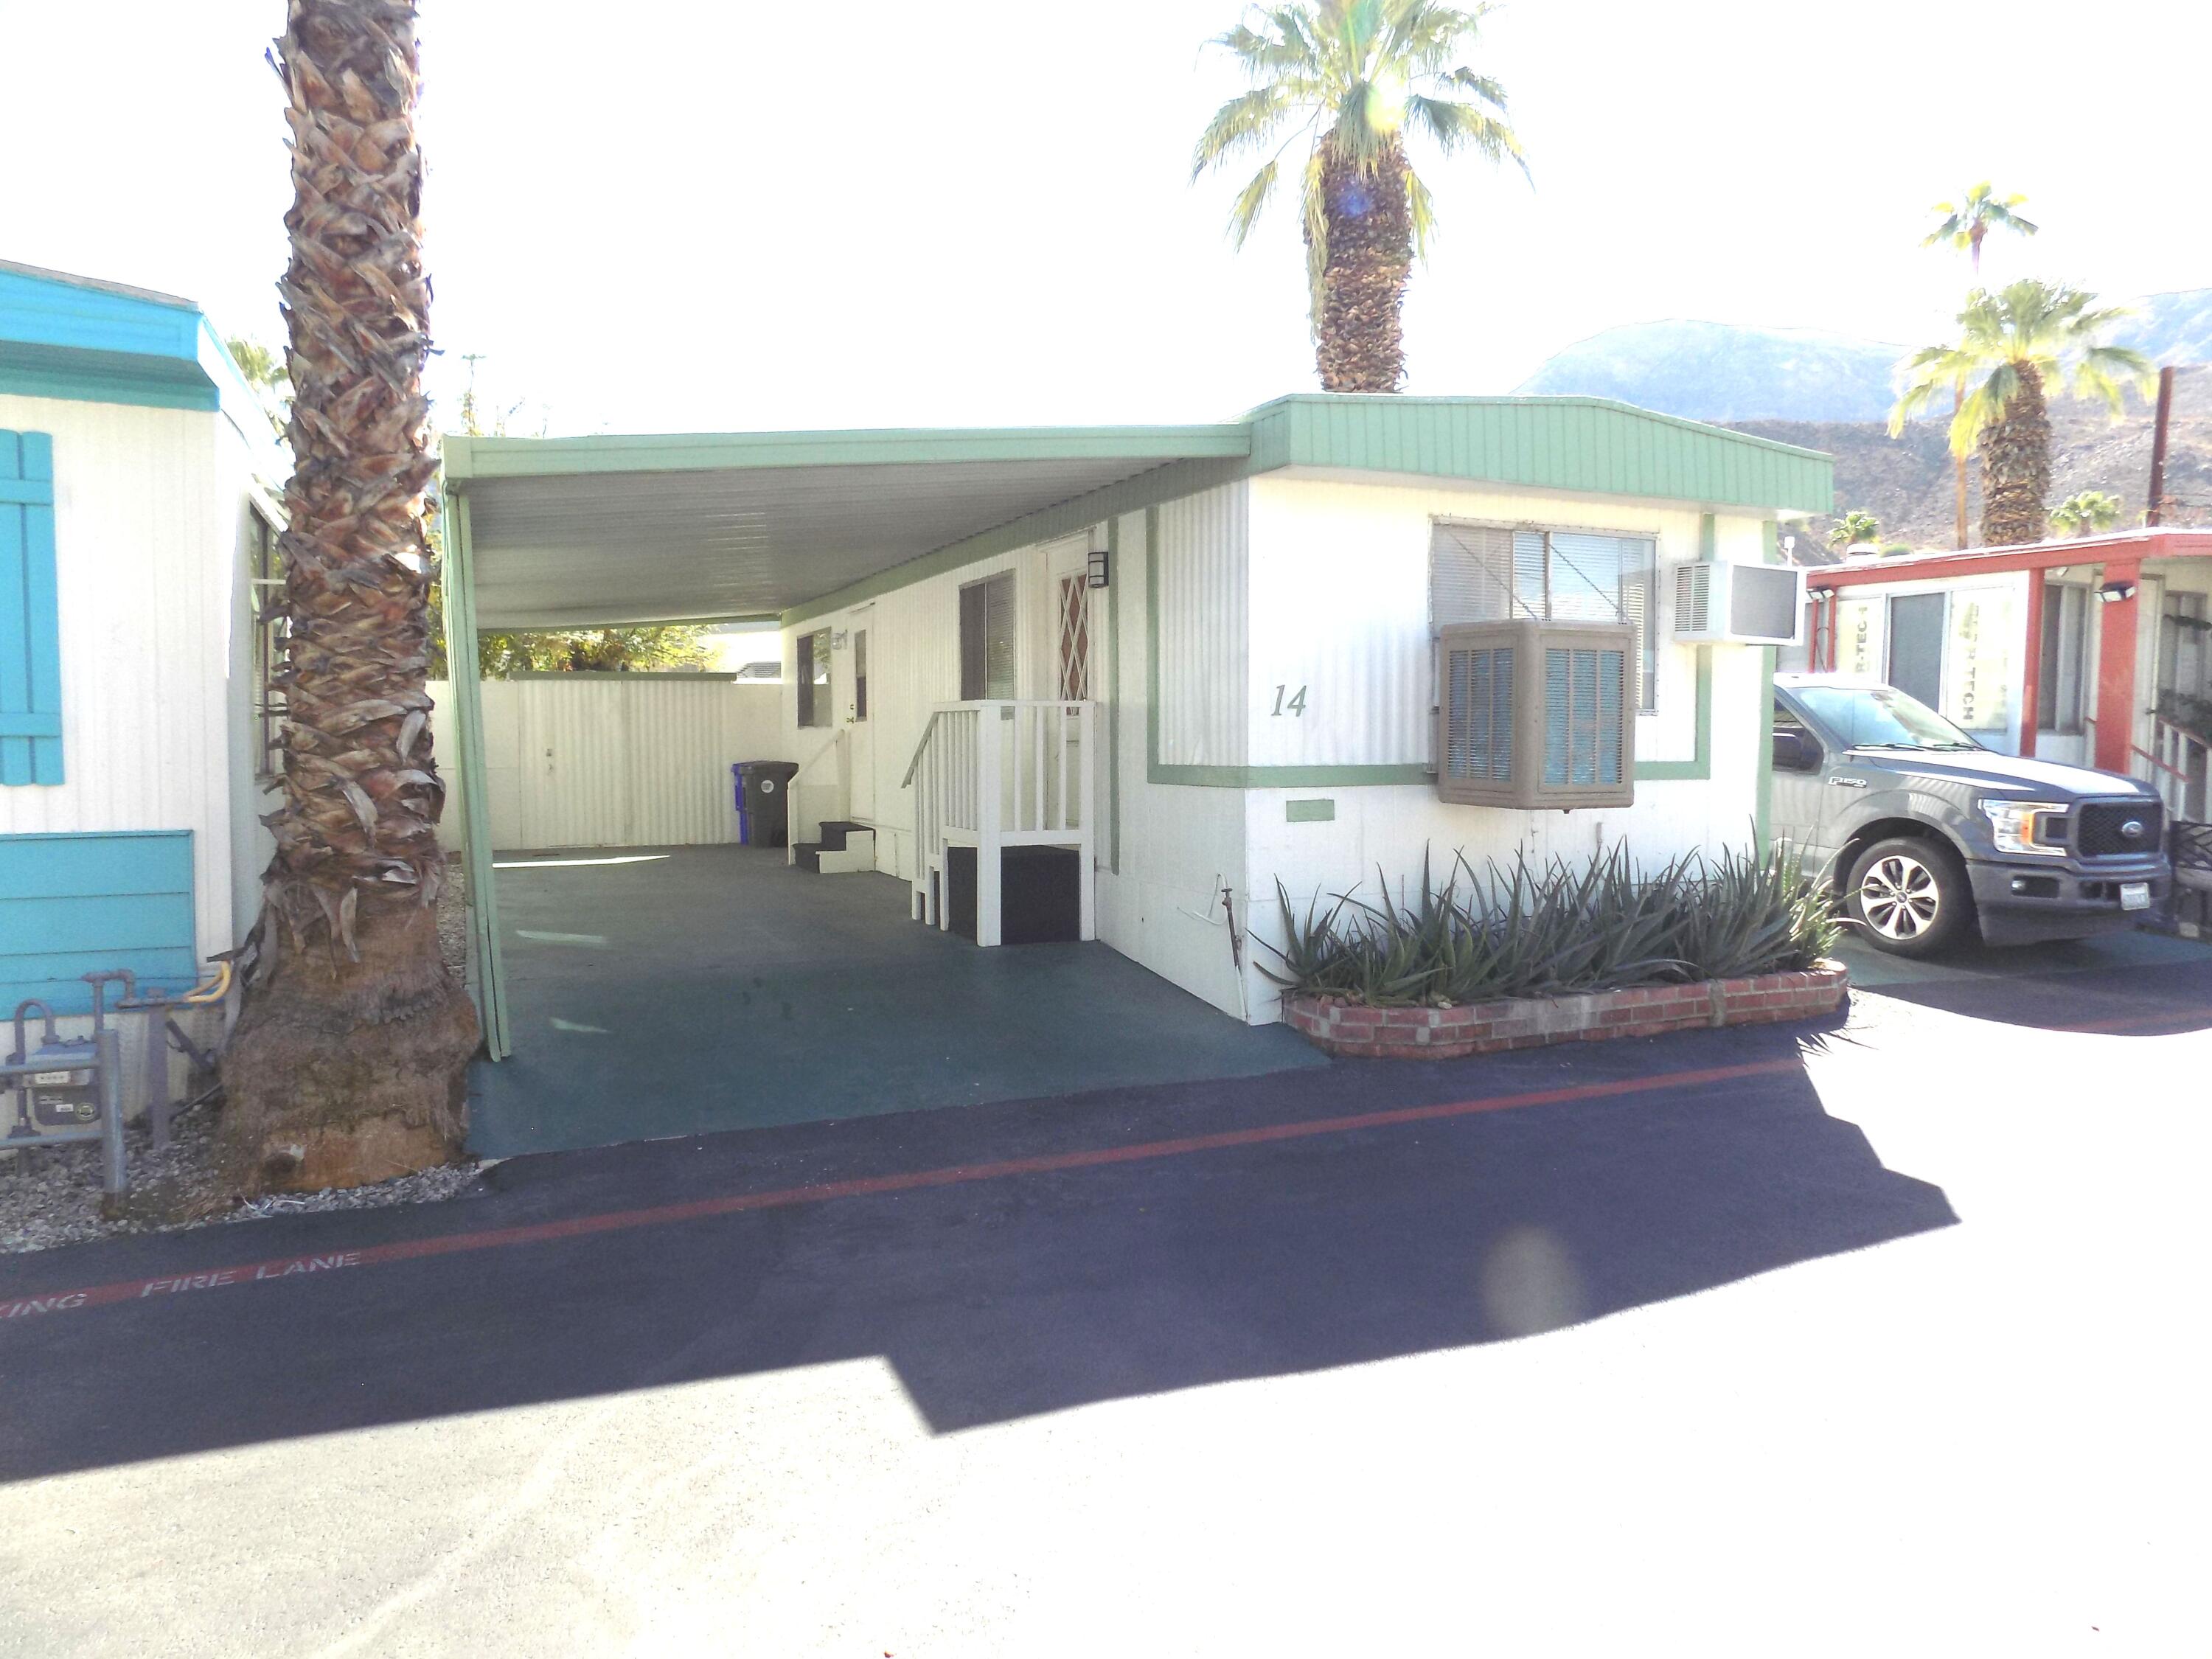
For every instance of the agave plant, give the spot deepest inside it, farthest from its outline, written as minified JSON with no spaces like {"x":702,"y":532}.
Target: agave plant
{"x":1521,"y":930}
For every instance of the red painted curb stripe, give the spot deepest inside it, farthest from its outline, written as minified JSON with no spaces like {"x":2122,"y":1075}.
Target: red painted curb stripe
{"x":867,"y":1186}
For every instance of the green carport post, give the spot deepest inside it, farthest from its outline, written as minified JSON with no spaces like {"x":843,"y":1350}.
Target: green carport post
{"x":488,"y":970}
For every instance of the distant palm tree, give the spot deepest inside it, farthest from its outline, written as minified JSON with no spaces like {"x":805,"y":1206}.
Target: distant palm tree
{"x":1965,"y":223}
{"x":2015,"y":346}
{"x":1853,"y":528}
{"x":2085,"y":512}
{"x":1353,"y":77}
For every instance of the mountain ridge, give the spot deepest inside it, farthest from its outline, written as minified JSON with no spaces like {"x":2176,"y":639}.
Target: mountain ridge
{"x":1731,"y":373}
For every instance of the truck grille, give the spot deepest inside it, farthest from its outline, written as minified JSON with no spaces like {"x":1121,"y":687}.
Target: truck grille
{"x":2100,"y":830}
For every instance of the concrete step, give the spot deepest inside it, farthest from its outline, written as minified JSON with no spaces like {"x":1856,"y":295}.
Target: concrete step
{"x":855,"y":851}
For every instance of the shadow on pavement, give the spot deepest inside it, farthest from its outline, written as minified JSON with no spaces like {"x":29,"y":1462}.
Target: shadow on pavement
{"x":994,"y":1298}
{"x":2126,"y":984}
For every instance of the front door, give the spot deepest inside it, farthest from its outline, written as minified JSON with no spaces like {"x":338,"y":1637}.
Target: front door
{"x":858,"y":728}
{"x":1917,"y":625}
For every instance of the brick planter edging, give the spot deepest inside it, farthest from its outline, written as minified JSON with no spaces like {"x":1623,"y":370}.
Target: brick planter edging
{"x":1355,"y":1030}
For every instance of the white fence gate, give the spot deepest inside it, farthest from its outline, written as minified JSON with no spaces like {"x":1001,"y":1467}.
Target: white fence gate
{"x":614,"y":760}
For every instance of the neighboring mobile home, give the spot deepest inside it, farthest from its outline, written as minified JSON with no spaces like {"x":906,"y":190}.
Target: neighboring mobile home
{"x":134,"y":736}
{"x":1157,"y":671}
{"x":2096,"y":651}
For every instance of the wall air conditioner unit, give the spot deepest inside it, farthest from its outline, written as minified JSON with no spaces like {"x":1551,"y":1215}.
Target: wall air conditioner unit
{"x":1720,"y":603}
{"x":1536,"y":715}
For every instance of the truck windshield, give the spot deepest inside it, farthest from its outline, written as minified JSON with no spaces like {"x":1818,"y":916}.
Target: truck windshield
{"x":1880,"y":717}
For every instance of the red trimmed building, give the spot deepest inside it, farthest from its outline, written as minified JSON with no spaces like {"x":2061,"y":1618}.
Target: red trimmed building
{"x":2096,"y":651}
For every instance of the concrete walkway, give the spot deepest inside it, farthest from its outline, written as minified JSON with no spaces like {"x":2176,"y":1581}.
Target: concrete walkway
{"x":681,"y":991}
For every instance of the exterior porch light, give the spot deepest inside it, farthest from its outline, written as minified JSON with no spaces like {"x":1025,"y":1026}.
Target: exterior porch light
{"x":2114,"y":592}
{"x":1096,"y":572}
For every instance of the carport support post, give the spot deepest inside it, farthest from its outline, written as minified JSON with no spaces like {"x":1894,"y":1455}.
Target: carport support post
{"x":2116,"y":670}
{"x":457,"y":578}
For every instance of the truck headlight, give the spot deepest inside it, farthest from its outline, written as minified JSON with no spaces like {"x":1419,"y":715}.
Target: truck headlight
{"x":2017,"y":826}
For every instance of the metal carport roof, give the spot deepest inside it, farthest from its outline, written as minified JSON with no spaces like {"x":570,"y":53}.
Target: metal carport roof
{"x":573,"y":532}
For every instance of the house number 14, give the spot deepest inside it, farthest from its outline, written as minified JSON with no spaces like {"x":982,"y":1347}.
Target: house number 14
{"x":1296,"y":706}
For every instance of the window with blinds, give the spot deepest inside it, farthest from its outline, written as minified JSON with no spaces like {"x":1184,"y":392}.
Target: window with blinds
{"x":987,"y":658}
{"x":1536,"y":715}
{"x":1496,"y":572}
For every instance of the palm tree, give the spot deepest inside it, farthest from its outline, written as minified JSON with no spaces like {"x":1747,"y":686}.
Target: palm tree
{"x":1353,"y":77}
{"x":1854,"y":528}
{"x":2085,"y":512}
{"x":1965,"y":223}
{"x":348,"y":1060}
{"x":2014,"y":347}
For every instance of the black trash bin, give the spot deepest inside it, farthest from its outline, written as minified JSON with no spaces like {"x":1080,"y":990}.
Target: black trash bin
{"x":764,"y":797}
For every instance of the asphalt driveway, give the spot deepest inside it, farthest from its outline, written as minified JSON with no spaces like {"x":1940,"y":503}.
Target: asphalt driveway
{"x":1881,"y":1336}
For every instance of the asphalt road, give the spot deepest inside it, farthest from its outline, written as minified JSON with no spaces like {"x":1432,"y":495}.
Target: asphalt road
{"x":1882,"y":1337}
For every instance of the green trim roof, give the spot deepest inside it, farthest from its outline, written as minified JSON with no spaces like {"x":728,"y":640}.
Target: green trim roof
{"x":640,"y":528}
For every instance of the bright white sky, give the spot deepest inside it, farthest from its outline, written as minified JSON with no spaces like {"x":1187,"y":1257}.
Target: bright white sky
{"x":686,"y":215}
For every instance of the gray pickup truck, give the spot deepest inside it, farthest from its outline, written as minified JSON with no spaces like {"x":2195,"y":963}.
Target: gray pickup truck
{"x":1927,"y":836}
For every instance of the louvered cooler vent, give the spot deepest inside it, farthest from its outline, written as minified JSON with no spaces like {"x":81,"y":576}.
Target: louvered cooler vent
{"x":1536,"y":715}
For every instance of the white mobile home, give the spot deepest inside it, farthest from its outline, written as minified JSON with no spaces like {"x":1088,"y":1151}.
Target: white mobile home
{"x":1184,"y":665}
{"x":133,"y":523}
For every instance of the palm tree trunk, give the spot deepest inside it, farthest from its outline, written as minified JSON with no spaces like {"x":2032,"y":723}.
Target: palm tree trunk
{"x":1958,"y":479}
{"x":2016,"y":467}
{"x":349,"y":1061}
{"x":1358,"y":345}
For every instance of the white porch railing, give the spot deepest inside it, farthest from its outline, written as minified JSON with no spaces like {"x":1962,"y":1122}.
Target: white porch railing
{"x":995,"y":775}
{"x":2178,"y":765}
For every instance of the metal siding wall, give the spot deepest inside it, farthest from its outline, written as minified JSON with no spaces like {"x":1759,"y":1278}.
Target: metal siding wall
{"x":70,"y":904}
{"x":1340,"y":604}
{"x":145,"y":590}
{"x":1179,"y":845}
{"x":1205,"y":643}
{"x":633,"y":760}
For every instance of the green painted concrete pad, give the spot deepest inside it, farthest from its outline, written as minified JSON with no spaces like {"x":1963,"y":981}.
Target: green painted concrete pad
{"x":711,"y":988}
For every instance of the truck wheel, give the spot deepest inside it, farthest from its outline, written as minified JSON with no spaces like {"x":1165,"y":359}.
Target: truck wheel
{"x":1909,"y":895}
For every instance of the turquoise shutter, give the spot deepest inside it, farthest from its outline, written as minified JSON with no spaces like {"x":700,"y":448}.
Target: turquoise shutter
{"x":30,"y":615}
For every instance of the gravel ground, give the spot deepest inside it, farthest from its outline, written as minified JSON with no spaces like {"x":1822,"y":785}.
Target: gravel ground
{"x":52,"y":1197}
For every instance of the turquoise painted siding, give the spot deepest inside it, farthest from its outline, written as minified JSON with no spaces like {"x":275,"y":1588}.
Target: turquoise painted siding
{"x":91,"y":342}
{"x":71,"y":903}
{"x":30,"y":615}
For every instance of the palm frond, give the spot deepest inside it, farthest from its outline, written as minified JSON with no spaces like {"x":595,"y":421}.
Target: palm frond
{"x":1245,"y":122}
{"x":1314,"y":206}
{"x":1250,"y":202}
{"x":1456,"y":125}
{"x":1420,"y":212}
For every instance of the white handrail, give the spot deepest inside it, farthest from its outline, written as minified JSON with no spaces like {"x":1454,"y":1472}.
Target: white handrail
{"x":996,"y":772}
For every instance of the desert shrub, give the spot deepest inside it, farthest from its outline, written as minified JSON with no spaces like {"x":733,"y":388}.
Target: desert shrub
{"x":1518,"y":929}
